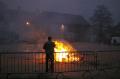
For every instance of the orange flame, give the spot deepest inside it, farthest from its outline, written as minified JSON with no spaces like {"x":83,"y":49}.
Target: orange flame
{"x":63,"y":52}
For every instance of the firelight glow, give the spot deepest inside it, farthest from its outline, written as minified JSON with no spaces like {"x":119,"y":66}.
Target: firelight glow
{"x":63,"y":52}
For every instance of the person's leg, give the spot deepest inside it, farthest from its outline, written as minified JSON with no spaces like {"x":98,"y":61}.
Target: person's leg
{"x":47,"y":59}
{"x":52,"y":63}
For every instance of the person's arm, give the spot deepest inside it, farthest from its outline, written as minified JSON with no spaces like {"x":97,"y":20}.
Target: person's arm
{"x":53,"y":44}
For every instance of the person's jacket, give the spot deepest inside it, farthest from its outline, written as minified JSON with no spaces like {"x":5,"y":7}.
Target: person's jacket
{"x":49,"y":47}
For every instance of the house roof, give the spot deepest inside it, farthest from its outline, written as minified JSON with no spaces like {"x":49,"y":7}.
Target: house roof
{"x":60,"y":18}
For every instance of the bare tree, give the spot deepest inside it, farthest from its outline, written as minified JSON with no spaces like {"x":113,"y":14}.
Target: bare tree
{"x":102,"y":21}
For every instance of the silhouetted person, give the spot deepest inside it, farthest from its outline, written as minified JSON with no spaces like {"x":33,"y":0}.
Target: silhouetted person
{"x":49,"y":50}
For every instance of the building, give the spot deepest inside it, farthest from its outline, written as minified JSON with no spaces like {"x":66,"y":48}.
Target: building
{"x":76,"y":28}
{"x":115,"y":36}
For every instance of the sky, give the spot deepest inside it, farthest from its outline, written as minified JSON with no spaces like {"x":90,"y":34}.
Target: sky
{"x":77,"y":7}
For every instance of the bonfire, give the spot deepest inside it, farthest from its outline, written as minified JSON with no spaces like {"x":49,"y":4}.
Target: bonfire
{"x":64,"y":52}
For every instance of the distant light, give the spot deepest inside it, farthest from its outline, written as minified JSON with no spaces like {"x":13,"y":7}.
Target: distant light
{"x":27,"y":23}
{"x":62,"y":27}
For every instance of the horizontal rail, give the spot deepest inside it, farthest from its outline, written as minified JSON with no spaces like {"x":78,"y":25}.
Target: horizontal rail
{"x":88,"y":51}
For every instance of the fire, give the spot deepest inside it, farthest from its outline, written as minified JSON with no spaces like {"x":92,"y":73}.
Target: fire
{"x":63,"y":52}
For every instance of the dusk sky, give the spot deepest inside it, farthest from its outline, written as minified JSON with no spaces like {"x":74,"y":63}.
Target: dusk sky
{"x":79,"y":7}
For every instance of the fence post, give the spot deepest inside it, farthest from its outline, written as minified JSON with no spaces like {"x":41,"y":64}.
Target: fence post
{"x":96,"y":60}
{"x":0,"y":63}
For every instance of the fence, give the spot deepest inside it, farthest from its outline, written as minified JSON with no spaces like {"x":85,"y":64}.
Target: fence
{"x":77,"y":61}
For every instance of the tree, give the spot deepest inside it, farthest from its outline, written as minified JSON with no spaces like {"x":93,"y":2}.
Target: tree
{"x":6,"y":35}
{"x":2,"y":11}
{"x":102,"y":21}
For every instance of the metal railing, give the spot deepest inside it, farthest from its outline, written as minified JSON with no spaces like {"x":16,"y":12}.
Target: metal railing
{"x":77,"y":61}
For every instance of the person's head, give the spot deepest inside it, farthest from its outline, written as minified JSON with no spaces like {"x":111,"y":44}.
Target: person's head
{"x":49,"y":38}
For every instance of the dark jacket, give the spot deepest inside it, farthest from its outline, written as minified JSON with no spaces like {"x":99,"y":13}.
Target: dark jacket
{"x":49,"y":47}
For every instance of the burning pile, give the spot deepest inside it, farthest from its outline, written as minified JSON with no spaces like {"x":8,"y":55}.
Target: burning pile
{"x":64,"y":52}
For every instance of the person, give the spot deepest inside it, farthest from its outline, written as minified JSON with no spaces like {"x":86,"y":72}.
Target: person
{"x":49,"y":50}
